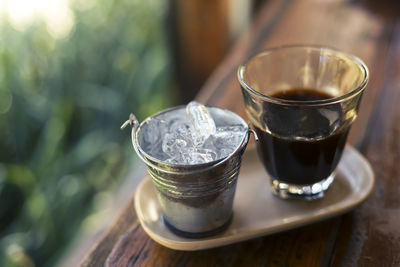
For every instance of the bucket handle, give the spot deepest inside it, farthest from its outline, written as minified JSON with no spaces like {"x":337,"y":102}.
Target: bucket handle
{"x":134,"y":123}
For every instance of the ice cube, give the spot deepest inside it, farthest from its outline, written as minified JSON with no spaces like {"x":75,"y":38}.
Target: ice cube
{"x":226,"y":140}
{"x":153,"y":131}
{"x":176,"y":160}
{"x":173,"y":144}
{"x":232,"y":128}
{"x":224,"y":152}
{"x":179,"y":126}
{"x":208,"y":154}
{"x":197,"y":158}
{"x":151,"y":140}
{"x":202,"y":122}
{"x":230,"y":135}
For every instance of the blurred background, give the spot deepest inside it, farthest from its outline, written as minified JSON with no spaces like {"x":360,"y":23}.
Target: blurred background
{"x":71,"y":71}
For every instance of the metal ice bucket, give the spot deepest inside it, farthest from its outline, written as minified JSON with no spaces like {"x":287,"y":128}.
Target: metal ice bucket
{"x":196,"y":200}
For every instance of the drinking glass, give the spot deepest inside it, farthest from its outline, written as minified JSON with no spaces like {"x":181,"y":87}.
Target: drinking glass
{"x":302,"y":101}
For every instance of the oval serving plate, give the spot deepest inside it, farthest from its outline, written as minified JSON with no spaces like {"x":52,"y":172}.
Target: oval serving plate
{"x":256,"y":211}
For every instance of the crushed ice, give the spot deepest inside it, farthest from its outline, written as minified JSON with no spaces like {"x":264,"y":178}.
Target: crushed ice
{"x":191,"y":138}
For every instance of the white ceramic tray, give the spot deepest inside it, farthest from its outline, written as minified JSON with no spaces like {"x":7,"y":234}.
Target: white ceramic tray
{"x":256,"y":211}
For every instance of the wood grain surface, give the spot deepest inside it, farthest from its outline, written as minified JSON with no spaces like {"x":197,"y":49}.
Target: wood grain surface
{"x":367,"y":236}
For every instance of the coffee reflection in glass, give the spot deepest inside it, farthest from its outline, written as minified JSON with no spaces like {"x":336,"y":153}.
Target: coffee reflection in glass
{"x":302,"y":101}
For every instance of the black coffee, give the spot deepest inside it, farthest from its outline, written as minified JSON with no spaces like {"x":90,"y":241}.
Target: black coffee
{"x":301,"y":161}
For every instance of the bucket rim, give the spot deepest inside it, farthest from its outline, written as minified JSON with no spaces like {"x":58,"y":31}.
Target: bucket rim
{"x":172,"y":166}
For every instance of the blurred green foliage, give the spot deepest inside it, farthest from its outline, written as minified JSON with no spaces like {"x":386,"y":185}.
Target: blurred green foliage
{"x":61,"y":104}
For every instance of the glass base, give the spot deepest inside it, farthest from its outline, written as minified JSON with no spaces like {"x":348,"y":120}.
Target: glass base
{"x":305,"y":192}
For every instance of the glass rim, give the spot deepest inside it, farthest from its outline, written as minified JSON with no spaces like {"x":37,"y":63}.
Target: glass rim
{"x":358,"y":89}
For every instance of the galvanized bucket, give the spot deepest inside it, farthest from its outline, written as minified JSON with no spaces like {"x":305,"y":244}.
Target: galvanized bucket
{"x":196,"y":200}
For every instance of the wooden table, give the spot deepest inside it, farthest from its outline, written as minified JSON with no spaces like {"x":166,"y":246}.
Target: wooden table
{"x":367,"y":236}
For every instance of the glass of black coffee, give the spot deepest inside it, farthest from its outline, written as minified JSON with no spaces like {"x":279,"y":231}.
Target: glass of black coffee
{"x":302,"y":101}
